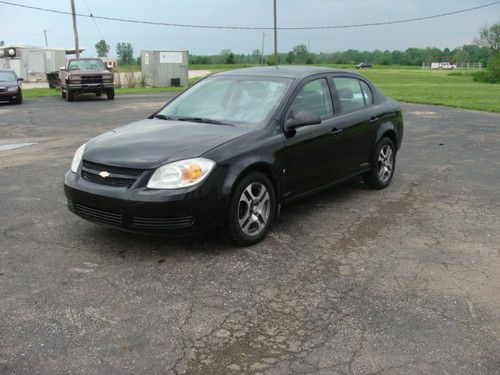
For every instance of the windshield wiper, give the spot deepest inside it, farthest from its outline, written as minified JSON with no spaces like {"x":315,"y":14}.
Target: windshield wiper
{"x":202,"y":120}
{"x":163,"y":117}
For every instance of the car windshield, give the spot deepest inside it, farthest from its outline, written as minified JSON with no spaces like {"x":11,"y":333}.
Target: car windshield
{"x":7,"y":77}
{"x":230,"y":99}
{"x":86,"y":65}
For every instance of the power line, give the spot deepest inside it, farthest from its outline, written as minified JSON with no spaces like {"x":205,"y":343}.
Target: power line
{"x":93,"y":19}
{"x":406,"y":20}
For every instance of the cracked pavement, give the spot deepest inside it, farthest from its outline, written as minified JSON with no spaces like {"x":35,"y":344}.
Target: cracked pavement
{"x":349,"y":281}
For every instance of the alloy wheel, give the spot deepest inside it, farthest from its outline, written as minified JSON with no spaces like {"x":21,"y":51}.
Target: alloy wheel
{"x":254,"y":209}
{"x":385,"y":163}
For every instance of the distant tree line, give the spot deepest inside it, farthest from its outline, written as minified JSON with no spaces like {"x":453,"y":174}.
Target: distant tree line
{"x":470,"y":53}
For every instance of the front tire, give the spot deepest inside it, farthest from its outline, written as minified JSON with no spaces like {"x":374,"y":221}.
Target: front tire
{"x":382,"y":165}
{"x":70,"y":95}
{"x":110,"y":93}
{"x":252,"y":210}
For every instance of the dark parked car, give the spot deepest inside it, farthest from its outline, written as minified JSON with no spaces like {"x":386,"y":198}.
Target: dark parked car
{"x":364,"y":65}
{"x":88,"y":75}
{"x":235,"y":147}
{"x":10,"y":87}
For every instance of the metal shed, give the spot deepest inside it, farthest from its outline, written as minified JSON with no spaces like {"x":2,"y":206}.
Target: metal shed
{"x":32,"y":63}
{"x":163,"y":68}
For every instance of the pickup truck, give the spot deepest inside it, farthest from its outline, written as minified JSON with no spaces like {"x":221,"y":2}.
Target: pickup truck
{"x":88,"y":75}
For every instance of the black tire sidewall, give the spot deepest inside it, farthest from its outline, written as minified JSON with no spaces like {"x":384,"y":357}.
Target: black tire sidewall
{"x":233,"y":225}
{"x":372,"y":177}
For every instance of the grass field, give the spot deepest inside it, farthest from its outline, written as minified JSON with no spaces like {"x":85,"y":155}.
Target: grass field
{"x":406,"y":84}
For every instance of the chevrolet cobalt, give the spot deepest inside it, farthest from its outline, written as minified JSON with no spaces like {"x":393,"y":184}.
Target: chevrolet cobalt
{"x":229,"y":151}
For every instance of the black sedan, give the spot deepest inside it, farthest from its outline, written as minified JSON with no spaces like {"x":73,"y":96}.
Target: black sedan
{"x":10,"y":87}
{"x":232,"y":149}
{"x":363,"y":65}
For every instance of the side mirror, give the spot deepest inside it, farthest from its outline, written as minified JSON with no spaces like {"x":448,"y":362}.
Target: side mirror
{"x":303,"y":118}
{"x":20,"y":79}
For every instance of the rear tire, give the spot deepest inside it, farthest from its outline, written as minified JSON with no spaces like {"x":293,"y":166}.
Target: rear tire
{"x":382,"y":165}
{"x":63,"y":93}
{"x":110,"y":93}
{"x":252,"y":210}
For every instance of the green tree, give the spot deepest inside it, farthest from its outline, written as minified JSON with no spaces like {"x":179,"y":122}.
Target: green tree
{"x":102,"y":48}
{"x":299,"y":55}
{"x":125,"y":53}
{"x":489,"y":37}
{"x":461,"y":56}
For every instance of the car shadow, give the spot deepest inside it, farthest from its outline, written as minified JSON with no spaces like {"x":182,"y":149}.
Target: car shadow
{"x":129,"y":244}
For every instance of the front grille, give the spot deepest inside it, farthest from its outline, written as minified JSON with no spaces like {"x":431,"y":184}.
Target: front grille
{"x":118,"y":177}
{"x":139,"y":223}
{"x":3,"y":89}
{"x":91,"y":79}
{"x":156,"y":223}
{"x":95,"y":214}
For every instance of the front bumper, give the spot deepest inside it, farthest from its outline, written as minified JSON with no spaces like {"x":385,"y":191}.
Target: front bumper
{"x":90,"y":87}
{"x":175,"y":212}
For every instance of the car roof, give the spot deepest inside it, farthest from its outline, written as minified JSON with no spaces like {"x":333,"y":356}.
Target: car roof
{"x":284,"y":71}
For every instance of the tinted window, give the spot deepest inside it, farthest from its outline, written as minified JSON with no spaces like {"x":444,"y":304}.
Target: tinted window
{"x":313,"y":97}
{"x":367,"y":92}
{"x":350,"y":94}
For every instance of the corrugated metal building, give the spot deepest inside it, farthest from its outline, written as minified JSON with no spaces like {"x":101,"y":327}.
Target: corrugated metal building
{"x":163,"y":68}
{"x":32,"y":63}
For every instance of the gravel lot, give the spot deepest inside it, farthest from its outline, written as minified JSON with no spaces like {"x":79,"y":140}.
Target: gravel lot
{"x":350,"y":281}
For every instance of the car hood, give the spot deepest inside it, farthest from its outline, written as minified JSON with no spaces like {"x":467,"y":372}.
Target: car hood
{"x":150,"y":143}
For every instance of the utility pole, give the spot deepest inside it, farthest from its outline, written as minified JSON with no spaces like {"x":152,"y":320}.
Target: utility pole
{"x":75,"y":30}
{"x":262,"y":49}
{"x":45,"y":35}
{"x":275,"y":35}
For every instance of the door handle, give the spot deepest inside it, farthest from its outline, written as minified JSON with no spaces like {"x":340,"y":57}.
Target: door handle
{"x":374,"y":119}
{"x":336,"y":131}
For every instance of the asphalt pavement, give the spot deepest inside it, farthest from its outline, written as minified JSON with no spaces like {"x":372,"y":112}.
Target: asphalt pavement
{"x":350,"y":281}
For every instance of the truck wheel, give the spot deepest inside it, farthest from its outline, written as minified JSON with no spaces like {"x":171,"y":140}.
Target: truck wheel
{"x":63,"y":93}
{"x":70,"y":95}
{"x":110,"y":93}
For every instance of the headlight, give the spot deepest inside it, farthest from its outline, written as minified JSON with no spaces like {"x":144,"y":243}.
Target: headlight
{"x":108,"y":78}
{"x":74,"y":78}
{"x":12,"y":89}
{"x":181,"y":173}
{"x":77,"y":158}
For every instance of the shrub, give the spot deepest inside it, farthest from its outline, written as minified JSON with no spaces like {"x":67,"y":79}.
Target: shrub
{"x":492,"y":72}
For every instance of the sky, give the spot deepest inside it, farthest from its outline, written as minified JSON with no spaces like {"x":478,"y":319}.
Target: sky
{"x":25,"y":27}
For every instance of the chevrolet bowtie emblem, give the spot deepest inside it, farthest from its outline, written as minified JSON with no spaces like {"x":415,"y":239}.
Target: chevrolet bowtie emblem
{"x":104,"y":174}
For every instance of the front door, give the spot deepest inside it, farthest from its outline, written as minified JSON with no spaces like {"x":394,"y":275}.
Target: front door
{"x":307,"y":153}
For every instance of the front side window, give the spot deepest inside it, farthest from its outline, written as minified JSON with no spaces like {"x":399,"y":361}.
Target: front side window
{"x":313,"y":97}
{"x":234,"y":100}
{"x":350,"y":94}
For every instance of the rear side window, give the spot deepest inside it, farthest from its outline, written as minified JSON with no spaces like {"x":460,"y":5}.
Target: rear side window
{"x":367,"y":92}
{"x":350,"y":94}
{"x":313,"y":97}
